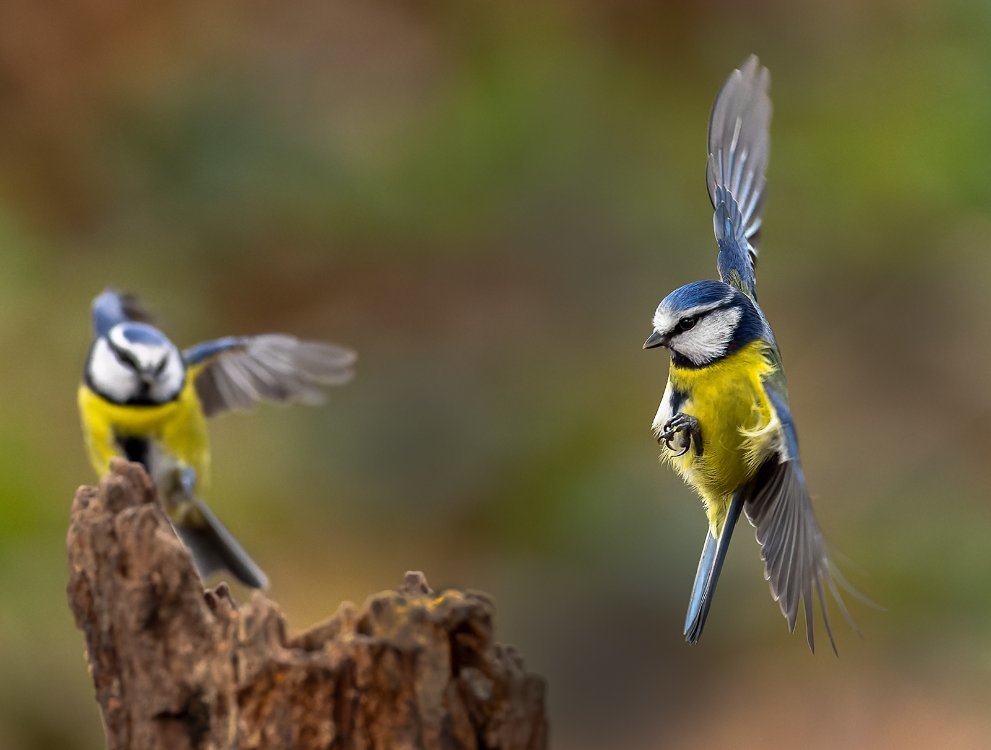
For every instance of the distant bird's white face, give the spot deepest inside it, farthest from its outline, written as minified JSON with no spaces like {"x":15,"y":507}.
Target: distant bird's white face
{"x":135,"y":363}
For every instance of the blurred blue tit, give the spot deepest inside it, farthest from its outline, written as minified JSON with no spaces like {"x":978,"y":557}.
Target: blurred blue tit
{"x":724,"y":423}
{"x":145,"y":400}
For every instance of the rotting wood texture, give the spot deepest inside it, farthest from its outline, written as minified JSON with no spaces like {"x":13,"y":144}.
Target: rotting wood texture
{"x":178,"y":667}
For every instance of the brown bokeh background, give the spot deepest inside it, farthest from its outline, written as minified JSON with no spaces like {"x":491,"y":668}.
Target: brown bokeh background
{"x":487,"y":200}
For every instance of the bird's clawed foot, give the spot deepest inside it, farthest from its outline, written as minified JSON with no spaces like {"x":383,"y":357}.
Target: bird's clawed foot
{"x":686,"y":424}
{"x":187,"y":481}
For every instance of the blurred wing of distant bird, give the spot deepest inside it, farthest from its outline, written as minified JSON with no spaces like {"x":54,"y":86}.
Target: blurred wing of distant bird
{"x":239,"y":371}
{"x":739,"y":146}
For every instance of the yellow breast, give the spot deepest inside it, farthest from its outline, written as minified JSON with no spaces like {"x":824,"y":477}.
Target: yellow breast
{"x":178,"y":427}
{"x":737,"y":422}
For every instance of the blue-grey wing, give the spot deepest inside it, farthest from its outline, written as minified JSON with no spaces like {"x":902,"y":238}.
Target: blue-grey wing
{"x":739,"y":147}
{"x":796,"y":559}
{"x":239,"y":371}
{"x":112,"y":307}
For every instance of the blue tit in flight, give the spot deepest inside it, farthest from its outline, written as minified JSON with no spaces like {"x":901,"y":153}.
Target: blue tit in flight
{"x":724,"y":423}
{"x":145,"y":400}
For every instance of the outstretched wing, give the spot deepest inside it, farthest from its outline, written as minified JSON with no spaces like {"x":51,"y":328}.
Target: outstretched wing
{"x":112,"y":307}
{"x":739,"y":146}
{"x":239,"y":371}
{"x":796,"y":560}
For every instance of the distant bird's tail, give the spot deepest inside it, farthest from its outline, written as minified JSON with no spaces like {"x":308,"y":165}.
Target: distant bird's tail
{"x":214,"y":548}
{"x":710,"y":564}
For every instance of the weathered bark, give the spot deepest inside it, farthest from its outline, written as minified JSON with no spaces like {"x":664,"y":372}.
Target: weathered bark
{"x":178,"y":667}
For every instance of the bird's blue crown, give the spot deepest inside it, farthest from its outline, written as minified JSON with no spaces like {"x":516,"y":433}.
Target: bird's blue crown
{"x":142,"y":333}
{"x":696,"y":294}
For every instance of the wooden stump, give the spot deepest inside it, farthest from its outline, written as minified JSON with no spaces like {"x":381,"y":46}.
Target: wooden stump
{"x":178,"y":667}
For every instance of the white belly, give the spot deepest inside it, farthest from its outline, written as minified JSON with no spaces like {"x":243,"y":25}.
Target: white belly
{"x":665,"y":411}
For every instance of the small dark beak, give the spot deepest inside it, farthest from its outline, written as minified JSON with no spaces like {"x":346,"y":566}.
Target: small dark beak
{"x":655,"y":340}
{"x":145,"y":386}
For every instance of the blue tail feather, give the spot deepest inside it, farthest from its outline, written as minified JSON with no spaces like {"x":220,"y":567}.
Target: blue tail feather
{"x":701,"y":577}
{"x":711,"y":563}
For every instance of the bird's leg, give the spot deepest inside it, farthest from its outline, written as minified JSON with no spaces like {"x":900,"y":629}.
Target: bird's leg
{"x":682,"y":423}
{"x":176,"y":485}
{"x":187,"y":481}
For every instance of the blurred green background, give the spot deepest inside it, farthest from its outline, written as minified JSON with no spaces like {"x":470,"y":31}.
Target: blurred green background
{"x":487,"y":200}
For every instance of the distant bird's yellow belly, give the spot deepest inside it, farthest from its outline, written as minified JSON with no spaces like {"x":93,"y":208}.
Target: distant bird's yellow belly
{"x":178,"y":428}
{"x":737,"y":422}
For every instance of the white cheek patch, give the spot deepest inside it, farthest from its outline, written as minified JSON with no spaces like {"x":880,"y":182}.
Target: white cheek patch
{"x":109,"y":375}
{"x":710,"y":337}
{"x":170,"y":381}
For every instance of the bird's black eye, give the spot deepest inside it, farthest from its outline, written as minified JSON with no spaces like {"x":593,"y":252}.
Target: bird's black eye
{"x":686,"y":324}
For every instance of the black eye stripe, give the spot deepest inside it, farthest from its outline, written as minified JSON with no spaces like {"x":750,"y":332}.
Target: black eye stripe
{"x":123,"y":356}
{"x":690,"y":321}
